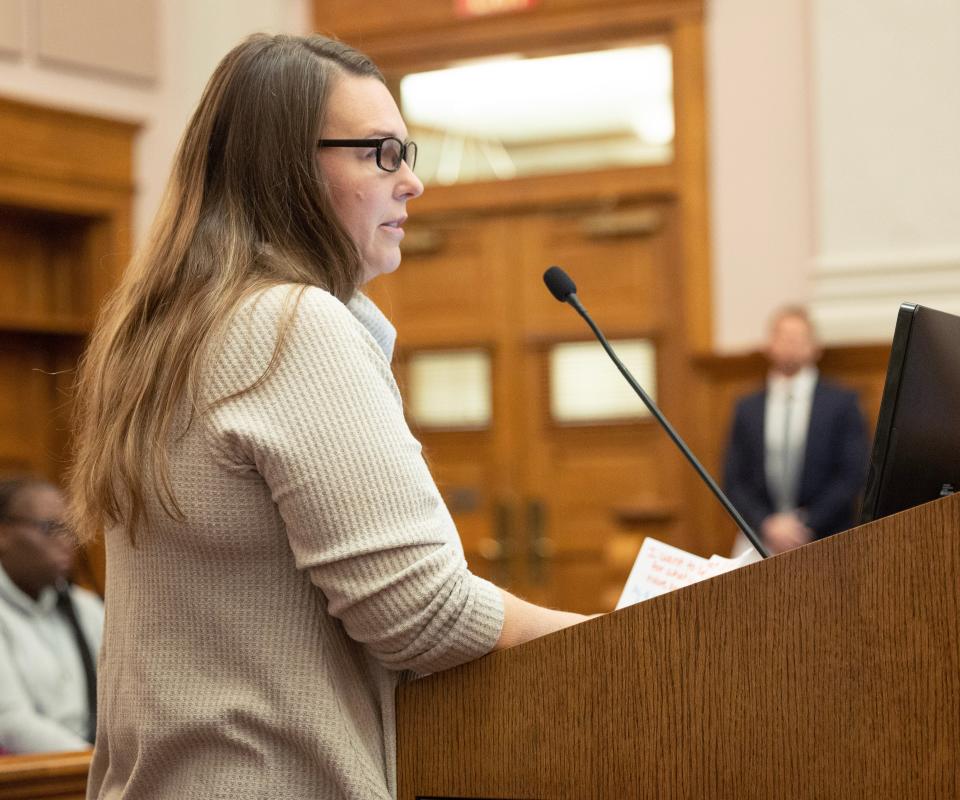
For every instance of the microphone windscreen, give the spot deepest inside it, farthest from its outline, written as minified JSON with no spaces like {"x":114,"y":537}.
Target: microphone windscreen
{"x":559,"y":283}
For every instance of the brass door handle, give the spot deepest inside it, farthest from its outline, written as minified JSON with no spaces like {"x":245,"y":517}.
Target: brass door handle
{"x":491,"y":549}
{"x":540,"y":548}
{"x":543,"y":548}
{"x":496,"y":549}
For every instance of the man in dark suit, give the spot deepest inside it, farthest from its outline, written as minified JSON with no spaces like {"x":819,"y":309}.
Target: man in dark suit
{"x":797,"y":454}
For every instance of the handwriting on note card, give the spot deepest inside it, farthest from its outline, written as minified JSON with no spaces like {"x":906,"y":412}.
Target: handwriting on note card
{"x":660,"y":568}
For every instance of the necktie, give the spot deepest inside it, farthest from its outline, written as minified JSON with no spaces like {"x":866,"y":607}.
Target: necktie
{"x":65,"y":606}
{"x":787,"y":499}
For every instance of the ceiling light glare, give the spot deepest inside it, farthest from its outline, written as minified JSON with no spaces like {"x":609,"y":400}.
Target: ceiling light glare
{"x":525,"y":100}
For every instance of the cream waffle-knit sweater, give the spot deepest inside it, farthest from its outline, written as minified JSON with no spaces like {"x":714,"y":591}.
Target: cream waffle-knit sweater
{"x":253,"y":650}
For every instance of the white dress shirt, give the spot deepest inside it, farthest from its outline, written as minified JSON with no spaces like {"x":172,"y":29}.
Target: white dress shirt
{"x":43,"y":694}
{"x":786,"y":423}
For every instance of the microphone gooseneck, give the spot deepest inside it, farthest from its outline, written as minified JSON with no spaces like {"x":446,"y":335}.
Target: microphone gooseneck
{"x":563,"y":288}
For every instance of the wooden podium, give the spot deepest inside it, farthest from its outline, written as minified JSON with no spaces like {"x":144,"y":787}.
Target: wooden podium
{"x":832,"y":671}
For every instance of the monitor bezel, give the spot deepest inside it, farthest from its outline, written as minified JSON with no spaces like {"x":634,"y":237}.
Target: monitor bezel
{"x":888,"y":408}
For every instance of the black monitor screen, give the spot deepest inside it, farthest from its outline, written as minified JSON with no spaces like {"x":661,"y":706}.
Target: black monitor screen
{"x":916,"y":450}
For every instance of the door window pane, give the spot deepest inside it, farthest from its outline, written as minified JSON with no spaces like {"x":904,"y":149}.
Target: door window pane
{"x":587,"y":387}
{"x":450,"y":389}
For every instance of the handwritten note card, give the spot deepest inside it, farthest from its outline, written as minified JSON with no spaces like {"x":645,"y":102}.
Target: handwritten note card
{"x":660,"y":568}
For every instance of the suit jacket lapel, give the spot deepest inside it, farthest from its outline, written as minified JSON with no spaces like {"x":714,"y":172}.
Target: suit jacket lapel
{"x":760,"y":440}
{"x":813,"y":444}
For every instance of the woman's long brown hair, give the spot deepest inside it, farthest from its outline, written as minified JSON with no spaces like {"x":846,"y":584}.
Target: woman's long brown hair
{"x":245,"y":208}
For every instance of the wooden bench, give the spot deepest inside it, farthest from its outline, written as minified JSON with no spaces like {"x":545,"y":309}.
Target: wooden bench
{"x":50,"y":776}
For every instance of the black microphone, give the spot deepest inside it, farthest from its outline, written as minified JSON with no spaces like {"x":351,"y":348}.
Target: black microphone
{"x":564,"y":289}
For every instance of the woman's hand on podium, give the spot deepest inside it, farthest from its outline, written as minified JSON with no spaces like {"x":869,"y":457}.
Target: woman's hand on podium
{"x":523,"y":621}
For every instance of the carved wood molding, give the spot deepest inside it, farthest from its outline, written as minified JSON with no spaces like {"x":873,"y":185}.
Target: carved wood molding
{"x":835,"y":361}
{"x":65,"y":147}
{"x":434,"y":33}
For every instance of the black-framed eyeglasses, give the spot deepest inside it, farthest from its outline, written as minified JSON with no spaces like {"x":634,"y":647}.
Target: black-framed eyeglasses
{"x":391,"y":152}
{"x":48,"y":527}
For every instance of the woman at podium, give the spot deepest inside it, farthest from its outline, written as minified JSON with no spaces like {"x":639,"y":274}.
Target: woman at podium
{"x":278,"y":555}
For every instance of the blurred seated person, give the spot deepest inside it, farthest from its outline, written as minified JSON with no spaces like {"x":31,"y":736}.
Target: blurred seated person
{"x":797,"y":454}
{"x":49,"y":630}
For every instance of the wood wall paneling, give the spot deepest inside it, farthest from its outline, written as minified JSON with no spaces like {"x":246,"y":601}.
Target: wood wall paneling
{"x":69,"y":147}
{"x":691,"y":165}
{"x":65,"y":208}
{"x":609,"y":186}
{"x":44,"y":271}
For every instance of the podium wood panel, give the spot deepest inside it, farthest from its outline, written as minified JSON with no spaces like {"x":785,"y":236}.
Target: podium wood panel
{"x":832,"y":671}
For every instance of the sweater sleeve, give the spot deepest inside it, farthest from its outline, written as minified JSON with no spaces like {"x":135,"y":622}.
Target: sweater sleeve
{"x":363,"y":516}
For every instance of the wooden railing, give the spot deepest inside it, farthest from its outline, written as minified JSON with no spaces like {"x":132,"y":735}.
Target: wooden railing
{"x":46,"y":776}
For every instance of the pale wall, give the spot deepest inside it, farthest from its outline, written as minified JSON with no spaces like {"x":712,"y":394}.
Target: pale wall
{"x":887,"y":196}
{"x":760,"y":162}
{"x":835,"y":163}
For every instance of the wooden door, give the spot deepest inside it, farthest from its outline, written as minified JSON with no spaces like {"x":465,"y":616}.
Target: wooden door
{"x":451,"y":296}
{"x":592,"y":487}
{"x":552,"y":510}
